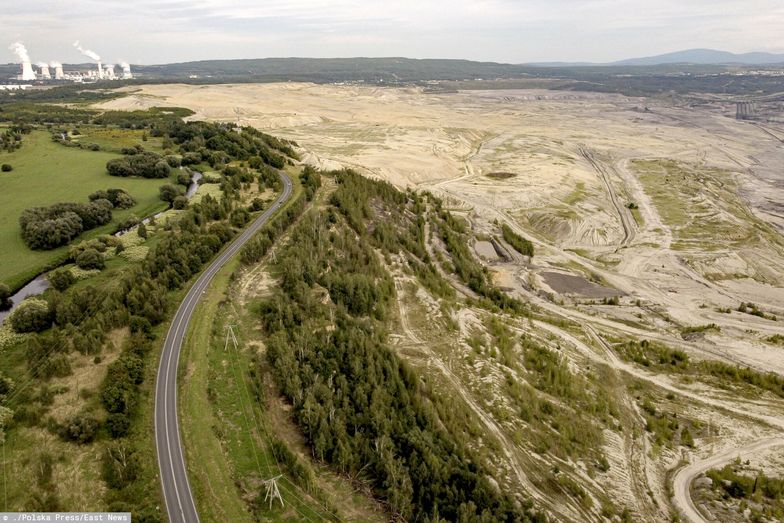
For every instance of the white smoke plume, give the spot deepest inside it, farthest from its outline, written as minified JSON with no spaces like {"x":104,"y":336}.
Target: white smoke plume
{"x":42,"y":64}
{"x":87,"y":52}
{"x":55,"y":64}
{"x":21,"y":51}
{"x":125,"y":65}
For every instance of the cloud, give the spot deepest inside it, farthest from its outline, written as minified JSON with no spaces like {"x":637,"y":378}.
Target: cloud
{"x":505,"y":30}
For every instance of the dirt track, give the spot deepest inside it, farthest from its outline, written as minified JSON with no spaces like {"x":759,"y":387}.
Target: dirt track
{"x":685,"y":476}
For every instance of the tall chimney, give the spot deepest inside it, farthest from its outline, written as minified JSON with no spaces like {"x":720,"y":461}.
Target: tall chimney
{"x":100,"y":71}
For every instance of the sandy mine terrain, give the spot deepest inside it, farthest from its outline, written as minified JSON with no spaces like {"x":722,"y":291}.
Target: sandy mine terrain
{"x":704,"y":233}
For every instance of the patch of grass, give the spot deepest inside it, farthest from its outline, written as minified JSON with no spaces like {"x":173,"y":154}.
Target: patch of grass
{"x":577,"y":194}
{"x":697,"y":329}
{"x":114,"y":140}
{"x":46,"y":173}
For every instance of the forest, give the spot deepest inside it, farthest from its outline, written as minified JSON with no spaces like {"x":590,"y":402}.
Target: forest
{"x":362,"y":409}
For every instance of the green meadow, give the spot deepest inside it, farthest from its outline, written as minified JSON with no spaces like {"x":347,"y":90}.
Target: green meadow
{"x":45,"y":172}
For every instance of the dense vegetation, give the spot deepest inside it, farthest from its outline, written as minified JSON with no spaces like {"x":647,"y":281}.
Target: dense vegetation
{"x":144,"y":164}
{"x":11,"y":138}
{"x":766,"y":493}
{"x":56,"y":225}
{"x":520,"y":244}
{"x":661,"y":357}
{"x":361,"y":408}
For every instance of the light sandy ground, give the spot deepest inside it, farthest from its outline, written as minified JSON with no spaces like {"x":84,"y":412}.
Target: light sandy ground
{"x":575,"y":165}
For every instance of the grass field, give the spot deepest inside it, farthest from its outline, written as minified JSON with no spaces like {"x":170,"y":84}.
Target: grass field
{"x":44,"y":173}
{"x":114,"y":140}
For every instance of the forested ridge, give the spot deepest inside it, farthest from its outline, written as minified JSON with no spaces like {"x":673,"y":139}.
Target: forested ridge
{"x":362,"y":409}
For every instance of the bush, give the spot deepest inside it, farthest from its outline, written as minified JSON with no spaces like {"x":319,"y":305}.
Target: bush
{"x":61,"y":279}
{"x":32,"y":315}
{"x":81,"y":428}
{"x":180,"y":202}
{"x":118,"y":424}
{"x":143,"y":164}
{"x":520,"y":244}
{"x":7,"y":168}
{"x":5,"y":297}
{"x":240,"y":217}
{"x":54,"y":226}
{"x":90,"y":259}
{"x":169,"y":192}
{"x":184,"y":178}
{"x":119,"y":198}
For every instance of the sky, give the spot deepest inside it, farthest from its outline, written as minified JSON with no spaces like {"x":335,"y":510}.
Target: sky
{"x":512,"y":31}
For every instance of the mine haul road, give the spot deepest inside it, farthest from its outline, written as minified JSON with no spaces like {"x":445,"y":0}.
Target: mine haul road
{"x":685,"y":476}
{"x":177,"y":494}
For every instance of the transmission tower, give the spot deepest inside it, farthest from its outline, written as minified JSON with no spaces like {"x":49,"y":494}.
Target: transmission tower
{"x":272,"y":491}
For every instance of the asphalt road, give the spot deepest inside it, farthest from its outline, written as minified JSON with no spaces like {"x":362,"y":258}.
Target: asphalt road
{"x":177,"y":494}
{"x":684,"y":477}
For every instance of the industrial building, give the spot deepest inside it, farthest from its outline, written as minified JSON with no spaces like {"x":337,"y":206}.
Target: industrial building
{"x":27,"y":72}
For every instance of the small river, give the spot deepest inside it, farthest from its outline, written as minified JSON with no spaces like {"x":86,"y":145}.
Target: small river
{"x":40,"y":283}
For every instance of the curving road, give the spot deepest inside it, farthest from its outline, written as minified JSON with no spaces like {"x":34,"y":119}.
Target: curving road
{"x":177,"y":495}
{"x":684,"y":477}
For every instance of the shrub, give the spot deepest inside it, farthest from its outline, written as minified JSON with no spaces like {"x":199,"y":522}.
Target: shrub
{"x":61,"y":279}
{"x":169,"y":192}
{"x":80,"y":428}
{"x":118,"y":424}
{"x":56,"y":225}
{"x":520,"y":244}
{"x":90,"y":259}
{"x":143,"y":164}
{"x":119,"y":198}
{"x":180,"y":202}
{"x":5,"y":297}
{"x":32,"y":315}
{"x":184,"y":178}
{"x":7,"y":168}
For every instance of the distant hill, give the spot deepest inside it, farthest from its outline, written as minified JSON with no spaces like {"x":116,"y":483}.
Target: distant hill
{"x":704,"y":57}
{"x":375,"y":70}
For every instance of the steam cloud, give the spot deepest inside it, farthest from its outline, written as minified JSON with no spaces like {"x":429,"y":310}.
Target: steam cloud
{"x":87,"y":52}
{"x":21,"y":51}
{"x":42,"y":64}
{"x":55,"y":64}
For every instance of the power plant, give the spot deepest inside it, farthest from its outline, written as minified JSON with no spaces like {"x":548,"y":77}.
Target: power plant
{"x":44,"y":73}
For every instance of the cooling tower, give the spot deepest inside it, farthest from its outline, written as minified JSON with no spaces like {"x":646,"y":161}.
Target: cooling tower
{"x":108,"y":71}
{"x":45,"y":71}
{"x":58,"y":71}
{"x":127,"y":74}
{"x":27,"y":71}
